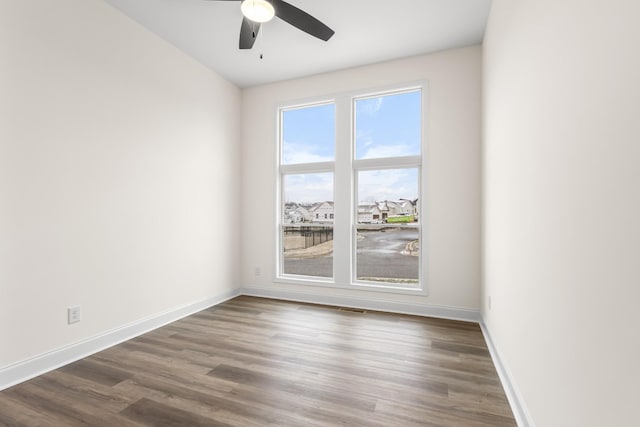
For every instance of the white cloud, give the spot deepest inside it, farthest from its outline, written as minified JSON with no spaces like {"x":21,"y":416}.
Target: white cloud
{"x":364,"y":138}
{"x":303,"y":153}
{"x":370,"y":106}
{"x":391,"y":184}
{"x":308,"y":188}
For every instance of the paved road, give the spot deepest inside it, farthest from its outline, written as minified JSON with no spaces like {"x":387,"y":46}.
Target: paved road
{"x":379,"y":255}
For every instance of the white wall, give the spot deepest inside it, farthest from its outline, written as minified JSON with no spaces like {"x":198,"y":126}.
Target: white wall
{"x":452,"y":172}
{"x":562,"y":205}
{"x":118,"y":157}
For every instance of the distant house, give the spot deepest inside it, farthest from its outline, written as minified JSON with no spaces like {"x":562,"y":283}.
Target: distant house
{"x":322,"y":212}
{"x":394,"y":208}
{"x":294,"y":213}
{"x":383,"y":208}
{"x":371,"y":213}
{"x":401,"y":207}
{"x":409,"y":207}
{"x":368,"y":214}
{"x":304,"y":214}
{"x":289,"y":213}
{"x":293,"y":217}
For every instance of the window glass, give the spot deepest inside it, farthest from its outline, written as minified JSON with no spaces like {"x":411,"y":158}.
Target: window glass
{"x":388,"y":248}
{"x":308,"y":134}
{"x":307,"y":231}
{"x":388,"y":125}
{"x":387,"y":192}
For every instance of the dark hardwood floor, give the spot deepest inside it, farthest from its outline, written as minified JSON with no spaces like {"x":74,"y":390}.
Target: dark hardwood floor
{"x":261,"y":362}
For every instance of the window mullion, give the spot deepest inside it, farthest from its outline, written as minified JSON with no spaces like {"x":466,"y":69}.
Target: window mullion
{"x":343,"y":193}
{"x":388,"y":163}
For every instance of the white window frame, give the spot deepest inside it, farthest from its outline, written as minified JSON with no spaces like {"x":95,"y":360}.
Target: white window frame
{"x":345,"y":168}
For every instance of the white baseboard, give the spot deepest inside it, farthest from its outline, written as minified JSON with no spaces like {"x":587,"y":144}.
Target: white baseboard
{"x":519,"y":408}
{"x":38,"y":365}
{"x":453,"y":313}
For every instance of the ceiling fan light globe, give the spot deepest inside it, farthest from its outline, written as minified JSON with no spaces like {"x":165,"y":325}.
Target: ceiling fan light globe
{"x":257,"y":10}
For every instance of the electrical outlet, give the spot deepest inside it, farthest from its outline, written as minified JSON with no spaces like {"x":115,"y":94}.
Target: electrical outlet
{"x":489,"y":302}
{"x":73,"y":314}
{"x":257,"y":271}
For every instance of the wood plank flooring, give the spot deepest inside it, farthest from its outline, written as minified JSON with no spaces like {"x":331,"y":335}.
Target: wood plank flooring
{"x":261,"y":362}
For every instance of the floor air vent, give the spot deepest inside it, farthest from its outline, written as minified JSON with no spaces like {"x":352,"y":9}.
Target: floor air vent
{"x":352,"y":310}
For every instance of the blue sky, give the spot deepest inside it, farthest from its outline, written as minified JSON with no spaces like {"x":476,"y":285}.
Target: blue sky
{"x":385,"y":126}
{"x":309,"y":134}
{"x":388,"y":126}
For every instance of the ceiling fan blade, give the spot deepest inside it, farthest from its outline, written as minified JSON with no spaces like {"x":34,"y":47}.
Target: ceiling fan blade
{"x":248,"y":33}
{"x":301,"y":20}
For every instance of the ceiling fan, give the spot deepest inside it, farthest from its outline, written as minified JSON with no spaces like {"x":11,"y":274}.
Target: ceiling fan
{"x":257,"y":12}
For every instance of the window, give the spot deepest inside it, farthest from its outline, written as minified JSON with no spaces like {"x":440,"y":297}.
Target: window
{"x":306,"y":234}
{"x":387,"y":134}
{"x":387,"y":250}
{"x":350,"y":211}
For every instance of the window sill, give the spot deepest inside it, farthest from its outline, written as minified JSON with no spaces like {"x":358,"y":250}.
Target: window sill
{"x":358,"y":286}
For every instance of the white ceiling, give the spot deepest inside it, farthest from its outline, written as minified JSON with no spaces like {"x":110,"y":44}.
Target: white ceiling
{"x":367,"y":31}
